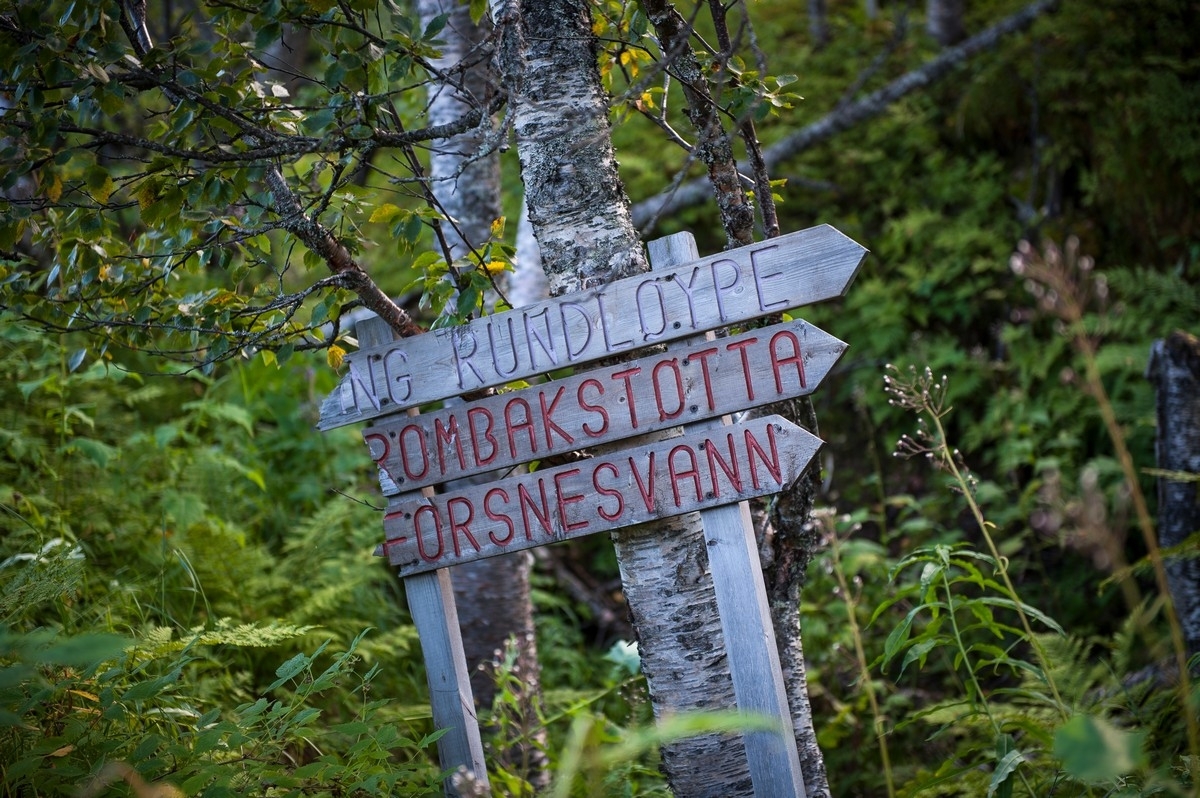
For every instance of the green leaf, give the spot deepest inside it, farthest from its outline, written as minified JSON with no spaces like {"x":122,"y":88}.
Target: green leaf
{"x":290,"y":669}
{"x":82,"y":650}
{"x":435,"y":26}
{"x":1093,"y":750}
{"x":1007,"y":760}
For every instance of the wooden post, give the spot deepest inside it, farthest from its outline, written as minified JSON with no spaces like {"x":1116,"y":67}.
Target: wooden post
{"x":750,"y":646}
{"x":431,"y":605}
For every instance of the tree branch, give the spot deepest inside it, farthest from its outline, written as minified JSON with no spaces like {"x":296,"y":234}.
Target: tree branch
{"x":694,"y":192}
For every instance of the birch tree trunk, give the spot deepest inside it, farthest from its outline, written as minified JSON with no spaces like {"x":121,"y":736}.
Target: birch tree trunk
{"x":494,"y":606}
{"x":944,"y":21}
{"x":1175,"y":371}
{"x":580,"y":216}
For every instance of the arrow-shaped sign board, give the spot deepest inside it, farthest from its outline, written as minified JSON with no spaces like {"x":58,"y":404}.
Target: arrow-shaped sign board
{"x":711,"y":378}
{"x":713,"y":292}
{"x":671,"y":477}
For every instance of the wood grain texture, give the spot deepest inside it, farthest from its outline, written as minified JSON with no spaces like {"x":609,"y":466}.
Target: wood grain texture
{"x":658,"y":480}
{"x":627,"y":314}
{"x":431,"y":605}
{"x":746,"y":624}
{"x":693,"y":383}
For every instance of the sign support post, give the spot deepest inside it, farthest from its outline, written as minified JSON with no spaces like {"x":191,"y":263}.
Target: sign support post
{"x":435,"y":615}
{"x":713,"y":468}
{"x":750,"y":646}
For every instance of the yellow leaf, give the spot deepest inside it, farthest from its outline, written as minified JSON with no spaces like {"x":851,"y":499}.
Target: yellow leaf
{"x":334,"y":356}
{"x":104,"y":190}
{"x":498,"y":227}
{"x":105,"y":273}
{"x":495,"y":266}
{"x":386,"y":212}
{"x":66,"y":749}
{"x":269,"y":358}
{"x":54,"y":190}
{"x":147,"y":195}
{"x":82,"y":694}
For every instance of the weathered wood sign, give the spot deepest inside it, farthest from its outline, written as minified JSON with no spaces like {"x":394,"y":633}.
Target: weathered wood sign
{"x":724,"y":465}
{"x":603,"y":405}
{"x":711,"y":468}
{"x":717,"y":291}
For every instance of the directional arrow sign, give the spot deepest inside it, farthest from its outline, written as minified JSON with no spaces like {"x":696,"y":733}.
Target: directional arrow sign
{"x":712,"y":292}
{"x":671,"y":477}
{"x":711,"y":378}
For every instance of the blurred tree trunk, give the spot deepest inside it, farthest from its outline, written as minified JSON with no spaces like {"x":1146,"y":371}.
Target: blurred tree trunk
{"x":1175,"y":371}
{"x":818,"y":23}
{"x":944,"y":21}
{"x":492,"y":595}
{"x":580,"y":216}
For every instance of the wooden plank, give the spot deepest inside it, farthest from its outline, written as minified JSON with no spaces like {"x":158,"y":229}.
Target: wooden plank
{"x":695,"y":382}
{"x":713,"y":292}
{"x":658,"y":480}
{"x":753,"y":656}
{"x":435,"y":616}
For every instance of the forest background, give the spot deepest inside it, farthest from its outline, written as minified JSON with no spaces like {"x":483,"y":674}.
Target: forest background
{"x":188,"y":599}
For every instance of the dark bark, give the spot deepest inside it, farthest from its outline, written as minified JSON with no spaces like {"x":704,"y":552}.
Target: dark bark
{"x":1175,"y":371}
{"x":713,"y":147}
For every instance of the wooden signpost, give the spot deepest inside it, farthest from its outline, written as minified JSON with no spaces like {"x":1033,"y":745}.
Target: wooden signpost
{"x":713,"y":468}
{"x":714,"y":292}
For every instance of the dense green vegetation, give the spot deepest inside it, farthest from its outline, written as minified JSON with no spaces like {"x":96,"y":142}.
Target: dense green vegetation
{"x":186,"y":580}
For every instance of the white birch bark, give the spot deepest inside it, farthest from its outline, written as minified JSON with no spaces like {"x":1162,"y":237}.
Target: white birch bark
{"x":580,"y":216}
{"x":492,"y":596}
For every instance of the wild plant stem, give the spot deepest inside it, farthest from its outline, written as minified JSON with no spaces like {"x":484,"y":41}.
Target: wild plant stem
{"x":1146,"y":525}
{"x":951,"y":612}
{"x":1001,"y":562}
{"x":863,"y":669}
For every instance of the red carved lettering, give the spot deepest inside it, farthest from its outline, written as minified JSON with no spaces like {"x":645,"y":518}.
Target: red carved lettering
{"x":593,"y":433}
{"x":565,"y":498}
{"x":731,"y":469}
{"x":646,"y":489}
{"x":437,"y":526}
{"x":772,"y":464}
{"x":673,"y":365}
{"x":460,"y":524}
{"x":609,"y":492}
{"x":527,"y":503}
{"x":692,"y":471}
{"x":476,"y":437}
{"x":740,"y":346}
{"x":383,"y":447}
{"x":703,"y":356}
{"x":513,"y":425}
{"x":406,"y":451}
{"x":447,"y":435}
{"x":796,"y":358}
{"x":548,"y":418}
{"x":625,"y":376}
{"x":501,"y":517}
